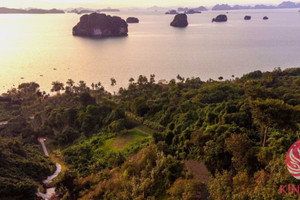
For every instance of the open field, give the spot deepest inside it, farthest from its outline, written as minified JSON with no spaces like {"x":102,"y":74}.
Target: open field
{"x":132,"y":137}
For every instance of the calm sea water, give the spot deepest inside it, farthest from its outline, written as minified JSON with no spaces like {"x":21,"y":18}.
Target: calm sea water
{"x":32,"y":45}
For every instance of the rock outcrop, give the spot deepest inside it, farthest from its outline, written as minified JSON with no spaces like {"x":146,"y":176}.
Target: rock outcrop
{"x":220,"y":18}
{"x":180,"y":20}
{"x":100,"y":25}
{"x":265,"y":18}
{"x":132,"y":20}
{"x":247,"y":17}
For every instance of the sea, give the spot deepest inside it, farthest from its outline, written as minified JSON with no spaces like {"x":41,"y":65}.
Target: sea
{"x":41,"y":47}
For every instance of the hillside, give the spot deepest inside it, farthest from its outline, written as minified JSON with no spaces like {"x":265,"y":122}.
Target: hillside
{"x":158,"y":141}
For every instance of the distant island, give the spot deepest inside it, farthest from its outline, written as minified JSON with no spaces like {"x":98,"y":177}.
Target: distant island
{"x":198,"y":9}
{"x":285,"y":4}
{"x":87,"y":11}
{"x":186,"y":10}
{"x":4,"y":10}
{"x":171,"y":12}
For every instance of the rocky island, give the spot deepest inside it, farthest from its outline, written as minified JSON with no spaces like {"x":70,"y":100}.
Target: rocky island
{"x":247,"y":17}
{"x":180,"y":20}
{"x":220,"y":18}
{"x":132,"y":20}
{"x":100,"y":25}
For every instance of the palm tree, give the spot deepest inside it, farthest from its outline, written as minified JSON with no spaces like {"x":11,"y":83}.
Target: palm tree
{"x":152,"y":78}
{"x":70,"y":86}
{"x":57,"y":86}
{"x":113,"y":81}
{"x":180,"y":78}
{"x":70,"y":82}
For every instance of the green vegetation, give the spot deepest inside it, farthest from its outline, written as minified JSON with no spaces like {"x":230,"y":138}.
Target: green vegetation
{"x":104,"y":151}
{"x":148,"y":141}
{"x":22,"y":167}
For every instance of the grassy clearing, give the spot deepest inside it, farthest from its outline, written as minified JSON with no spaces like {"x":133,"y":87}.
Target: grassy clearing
{"x":120,"y":143}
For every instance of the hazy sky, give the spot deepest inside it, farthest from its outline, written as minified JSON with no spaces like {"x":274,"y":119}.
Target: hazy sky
{"x":124,"y":3}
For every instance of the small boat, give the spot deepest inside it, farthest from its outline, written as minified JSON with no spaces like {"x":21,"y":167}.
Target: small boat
{"x":22,"y":77}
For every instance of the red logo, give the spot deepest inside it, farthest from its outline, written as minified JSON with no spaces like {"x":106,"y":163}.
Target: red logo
{"x":293,"y":160}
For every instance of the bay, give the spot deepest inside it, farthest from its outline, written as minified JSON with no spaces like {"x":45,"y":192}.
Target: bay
{"x":31,"y":46}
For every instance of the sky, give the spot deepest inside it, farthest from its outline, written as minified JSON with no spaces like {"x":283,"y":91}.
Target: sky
{"x":125,"y":3}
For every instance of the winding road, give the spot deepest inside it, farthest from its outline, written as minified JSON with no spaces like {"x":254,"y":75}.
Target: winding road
{"x":50,"y":192}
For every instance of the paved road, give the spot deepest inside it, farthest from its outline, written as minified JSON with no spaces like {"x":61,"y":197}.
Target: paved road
{"x":50,"y":192}
{"x":42,"y":141}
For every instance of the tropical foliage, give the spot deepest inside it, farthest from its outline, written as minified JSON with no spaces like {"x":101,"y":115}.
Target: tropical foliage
{"x":135,"y":145}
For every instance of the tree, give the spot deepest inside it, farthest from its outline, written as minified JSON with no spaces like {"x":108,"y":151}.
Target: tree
{"x":57,"y":86}
{"x":220,"y":187}
{"x":29,"y":88}
{"x":131,"y":80}
{"x":113,"y":81}
{"x":70,"y":85}
{"x":184,"y":189}
{"x":86,"y":99}
{"x":180,"y":78}
{"x":121,"y":90}
{"x":82,"y":87}
{"x":238,"y":145}
{"x":26,"y":91}
{"x":274,"y":113}
{"x":142,"y":80}
{"x":97,"y":86}
{"x":152,"y":78}
{"x":139,"y":106}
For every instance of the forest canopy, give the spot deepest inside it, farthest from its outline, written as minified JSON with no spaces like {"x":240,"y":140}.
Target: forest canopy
{"x":184,"y":139}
